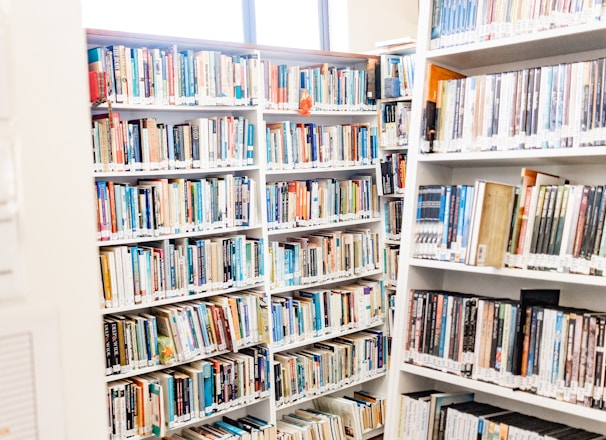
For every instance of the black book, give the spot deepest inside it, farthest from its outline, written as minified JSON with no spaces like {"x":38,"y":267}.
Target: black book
{"x":529,"y":298}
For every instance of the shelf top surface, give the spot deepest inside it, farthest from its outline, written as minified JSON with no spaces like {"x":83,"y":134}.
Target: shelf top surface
{"x":543,"y":44}
{"x":560,"y":156}
{"x":109,"y":37}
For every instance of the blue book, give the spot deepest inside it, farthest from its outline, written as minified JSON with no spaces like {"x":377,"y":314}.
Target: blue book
{"x":276,"y":309}
{"x":232,"y":429}
{"x":170,"y":146}
{"x":318,"y":313}
{"x":460,"y":221}
{"x":167,"y":382}
{"x":205,"y":324}
{"x":151,"y":334}
{"x":237,"y":86}
{"x":135,"y":83}
{"x":374,"y":143}
{"x":557,"y":346}
{"x":443,"y":327}
{"x":247,"y":314}
{"x":133,"y":149}
{"x":310,"y":129}
{"x":445,"y":206}
{"x":469,"y":193}
{"x":250,"y":143}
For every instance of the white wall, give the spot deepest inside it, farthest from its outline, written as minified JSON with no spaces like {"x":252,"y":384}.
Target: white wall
{"x":372,"y":21}
{"x":48,"y":126}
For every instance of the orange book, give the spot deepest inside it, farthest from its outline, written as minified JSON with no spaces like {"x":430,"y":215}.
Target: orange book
{"x":435,"y":74}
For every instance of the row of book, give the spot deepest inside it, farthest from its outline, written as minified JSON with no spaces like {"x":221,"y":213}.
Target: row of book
{"x":391,"y":258}
{"x":141,"y":274}
{"x":300,"y":203}
{"x":322,"y":257}
{"x":313,"y":313}
{"x":395,"y":123}
{"x":544,"y":224}
{"x":228,"y":428}
{"x":393,"y":211}
{"x":170,"y":76}
{"x":329,"y":87}
{"x":398,"y":72}
{"x":312,"y":423}
{"x":145,"y":144}
{"x":157,"y":207}
{"x":531,"y":344}
{"x":329,"y":365}
{"x":360,"y":412}
{"x":554,"y":106}
{"x":473,"y":21}
{"x":297,"y":145}
{"x":434,"y":415}
{"x":178,"y":333}
{"x":393,"y":173}
{"x":443,"y":221}
{"x":557,"y":226}
{"x":153,"y":403}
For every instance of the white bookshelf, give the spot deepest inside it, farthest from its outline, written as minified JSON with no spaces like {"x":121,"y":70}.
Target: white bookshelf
{"x":580,"y":165}
{"x":264,"y":405}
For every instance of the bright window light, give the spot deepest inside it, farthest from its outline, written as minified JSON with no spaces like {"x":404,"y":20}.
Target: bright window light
{"x":210,"y":20}
{"x":288,"y":23}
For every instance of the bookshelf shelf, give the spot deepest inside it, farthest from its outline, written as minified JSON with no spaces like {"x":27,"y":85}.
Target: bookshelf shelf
{"x":198,"y":420}
{"x":193,"y":234}
{"x":180,"y":298}
{"x":216,"y":108}
{"x":277,"y":348}
{"x":563,"y":156}
{"x":220,"y":109}
{"x":339,"y":112}
{"x":339,"y":387}
{"x":326,"y":282}
{"x":328,"y":225}
{"x":119,"y":175}
{"x":507,"y":393}
{"x":320,"y":170}
{"x":556,"y":277}
{"x":564,"y":41}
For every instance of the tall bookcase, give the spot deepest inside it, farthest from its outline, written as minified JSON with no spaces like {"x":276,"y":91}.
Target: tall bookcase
{"x":300,"y":247}
{"x":395,"y":111}
{"x":581,"y":40}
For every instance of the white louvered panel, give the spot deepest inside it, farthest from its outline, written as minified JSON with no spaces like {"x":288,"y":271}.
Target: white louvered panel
{"x":18,"y":419}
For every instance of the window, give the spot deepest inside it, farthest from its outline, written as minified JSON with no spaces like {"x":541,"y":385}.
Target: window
{"x":288,"y":24}
{"x":301,"y":24}
{"x":179,"y":18}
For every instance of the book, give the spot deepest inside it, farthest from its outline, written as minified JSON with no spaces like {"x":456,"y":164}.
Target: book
{"x":490,"y":222}
{"x":439,"y":400}
{"x":435,"y":74}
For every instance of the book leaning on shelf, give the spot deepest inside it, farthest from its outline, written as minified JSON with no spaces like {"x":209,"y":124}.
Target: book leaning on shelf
{"x":489,"y":223}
